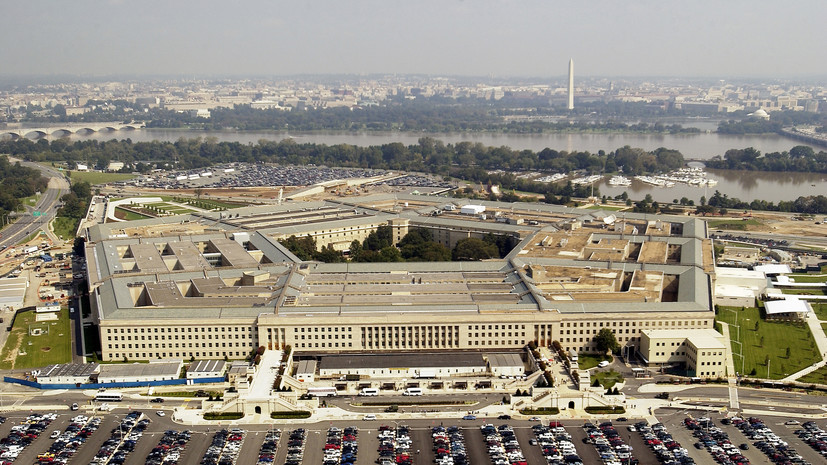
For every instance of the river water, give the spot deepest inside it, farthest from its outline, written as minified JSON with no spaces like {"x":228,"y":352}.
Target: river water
{"x":743,"y":185}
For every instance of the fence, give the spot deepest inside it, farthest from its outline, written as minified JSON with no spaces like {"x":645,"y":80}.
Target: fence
{"x":132,"y":384}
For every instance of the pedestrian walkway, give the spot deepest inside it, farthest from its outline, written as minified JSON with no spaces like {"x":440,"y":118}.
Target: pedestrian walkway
{"x":732,"y":381}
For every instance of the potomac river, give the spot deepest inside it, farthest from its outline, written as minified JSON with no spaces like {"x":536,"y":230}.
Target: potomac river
{"x":744,"y":185}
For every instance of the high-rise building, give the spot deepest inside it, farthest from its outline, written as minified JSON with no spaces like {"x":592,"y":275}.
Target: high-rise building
{"x":571,"y":84}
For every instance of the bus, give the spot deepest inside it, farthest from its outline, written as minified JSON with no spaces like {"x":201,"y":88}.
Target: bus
{"x":104,"y":396}
{"x":322,"y":392}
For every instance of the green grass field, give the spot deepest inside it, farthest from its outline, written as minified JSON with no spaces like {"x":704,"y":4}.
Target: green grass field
{"x":587,"y":361}
{"x":170,"y":208}
{"x":820,"y":310}
{"x":129,"y":215}
{"x":221,"y":204}
{"x":30,"y":201}
{"x":818,"y":377}
{"x":30,"y":237}
{"x":98,"y":178}
{"x":777,"y":337}
{"x":65,"y":227}
{"x":607,"y":378}
{"x":732,"y":224}
{"x":809,"y":278}
{"x":815,"y":291}
{"x":40,"y":351}
{"x":606,"y":207}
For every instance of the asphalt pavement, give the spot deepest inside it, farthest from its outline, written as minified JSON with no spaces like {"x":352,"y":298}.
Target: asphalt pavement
{"x":27,"y":223}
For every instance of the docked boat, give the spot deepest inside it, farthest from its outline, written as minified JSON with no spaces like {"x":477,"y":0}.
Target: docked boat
{"x":620,"y":181}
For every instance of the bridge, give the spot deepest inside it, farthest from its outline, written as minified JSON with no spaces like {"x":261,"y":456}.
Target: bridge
{"x":66,"y":129}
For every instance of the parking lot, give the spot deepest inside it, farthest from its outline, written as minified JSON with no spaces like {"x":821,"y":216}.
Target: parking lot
{"x":422,"y":445}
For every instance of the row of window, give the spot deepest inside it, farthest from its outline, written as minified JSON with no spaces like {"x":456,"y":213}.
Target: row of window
{"x":148,"y":355}
{"x":178,"y":345}
{"x":189,"y":329}
{"x":175,"y":337}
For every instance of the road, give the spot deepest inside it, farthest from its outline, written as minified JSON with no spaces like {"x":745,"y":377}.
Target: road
{"x":27,"y":223}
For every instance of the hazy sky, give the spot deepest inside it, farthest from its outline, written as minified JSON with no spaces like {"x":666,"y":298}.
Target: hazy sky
{"x":714,"y":38}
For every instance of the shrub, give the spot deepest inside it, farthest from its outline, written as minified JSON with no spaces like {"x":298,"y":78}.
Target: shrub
{"x":289,"y":415}
{"x":223,"y":416}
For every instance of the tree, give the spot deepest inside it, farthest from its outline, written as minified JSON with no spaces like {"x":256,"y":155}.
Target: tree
{"x":606,"y":341}
{"x":474,"y":249}
{"x":788,"y":352}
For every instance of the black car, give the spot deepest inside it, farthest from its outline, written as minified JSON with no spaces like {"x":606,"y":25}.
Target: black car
{"x":504,"y":417}
{"x":157,"y":400}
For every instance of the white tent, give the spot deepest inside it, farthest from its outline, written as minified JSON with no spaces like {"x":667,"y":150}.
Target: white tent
{"x":776,"y":307}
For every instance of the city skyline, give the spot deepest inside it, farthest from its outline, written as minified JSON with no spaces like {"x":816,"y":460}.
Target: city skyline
{"x":485,"y":38}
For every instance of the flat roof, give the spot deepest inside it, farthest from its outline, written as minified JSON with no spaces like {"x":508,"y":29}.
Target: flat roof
{"x":132,"y":370}
{"x":505,"y":360}
{"x":789,"y":305}
{"x":207,"y":366}
{"x":79,"y":370}
{"x":408,"y":360}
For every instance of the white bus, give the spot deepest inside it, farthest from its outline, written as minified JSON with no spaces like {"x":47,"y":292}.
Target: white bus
{"x":369,"y":392}
{"x":322,"y":392}
{"x":412,"y":392}
{"x":104,"y":396}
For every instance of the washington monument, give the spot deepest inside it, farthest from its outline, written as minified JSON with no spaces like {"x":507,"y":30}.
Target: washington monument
{"x":571,"y":84}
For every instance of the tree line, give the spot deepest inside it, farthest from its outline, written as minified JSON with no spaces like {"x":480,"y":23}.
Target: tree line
{"x":416,"y":246}
{"x":18,"y":182}
{"x":800,"y":158}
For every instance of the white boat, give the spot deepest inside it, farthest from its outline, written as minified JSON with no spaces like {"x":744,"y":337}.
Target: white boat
{"x":587,"y":180}
{"x":620,"y":181}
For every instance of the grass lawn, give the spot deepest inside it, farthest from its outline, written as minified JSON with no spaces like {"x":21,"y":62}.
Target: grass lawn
{"x":818,"y":377}
{"x":732,"y":224}
{"x":587,"y":361}
{"x":804,"y":291}
{"x":30,"y":201}
{"x":129,"y":215}
{"x":820,"y":310}
{"x":65,"y":227}
{"x":606,"y":207}
{"x":30,"y":237}
{"x":809,"y":278}
{"x":220,"y":204}
{"x":98,"y":178}
{"x":607,"y":378}
{"x":40,"y":351}
{"x":777,"y":337}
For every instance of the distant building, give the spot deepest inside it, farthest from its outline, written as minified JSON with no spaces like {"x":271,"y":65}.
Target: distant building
{"x":115,"y":166}
{"x":199,"y":113}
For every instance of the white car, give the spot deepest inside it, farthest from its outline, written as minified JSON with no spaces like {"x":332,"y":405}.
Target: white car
{"x":160,"y":413}
{"x":603,"y":364}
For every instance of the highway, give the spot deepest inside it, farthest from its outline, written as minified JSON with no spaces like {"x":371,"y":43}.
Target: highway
{"x":27,"y":223}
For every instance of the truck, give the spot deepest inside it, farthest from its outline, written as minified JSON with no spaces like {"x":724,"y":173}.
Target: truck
{"x":31,"y":249}
{"x":425,"y":373}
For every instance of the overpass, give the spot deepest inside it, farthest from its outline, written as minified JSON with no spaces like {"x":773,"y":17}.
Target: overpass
{"x":65,"y":129}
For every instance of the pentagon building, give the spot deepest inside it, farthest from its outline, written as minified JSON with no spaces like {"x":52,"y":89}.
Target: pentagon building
{"x":220,"y":284}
